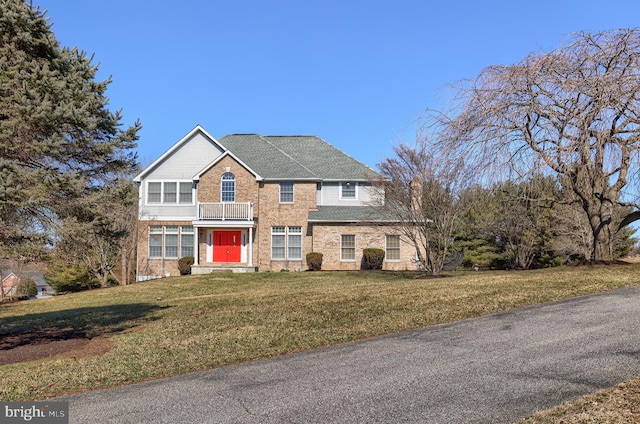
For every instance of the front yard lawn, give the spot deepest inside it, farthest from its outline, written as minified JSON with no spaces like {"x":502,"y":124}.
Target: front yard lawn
{"x":176,"y":325}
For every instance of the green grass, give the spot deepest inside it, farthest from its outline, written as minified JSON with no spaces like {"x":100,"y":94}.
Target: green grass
{"x":176,"y":325}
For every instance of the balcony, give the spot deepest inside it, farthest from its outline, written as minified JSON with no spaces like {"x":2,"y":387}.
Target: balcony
{"x":227,"y":211}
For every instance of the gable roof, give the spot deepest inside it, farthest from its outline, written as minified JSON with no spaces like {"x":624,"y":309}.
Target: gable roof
{"x":9,"y":275}
{"x":218,"y":159}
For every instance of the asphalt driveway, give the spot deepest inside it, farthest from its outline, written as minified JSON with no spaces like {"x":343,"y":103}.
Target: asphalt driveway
{"x":493,"y":369}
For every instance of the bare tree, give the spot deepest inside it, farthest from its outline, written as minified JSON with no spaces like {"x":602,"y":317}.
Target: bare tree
{"x":422,"y":194}
{"x":574,"y":112}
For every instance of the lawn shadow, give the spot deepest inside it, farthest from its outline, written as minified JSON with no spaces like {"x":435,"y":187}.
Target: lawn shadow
{"x":79,"y":323}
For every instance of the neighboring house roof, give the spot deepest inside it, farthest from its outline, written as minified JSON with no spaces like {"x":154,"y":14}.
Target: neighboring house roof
{"x":348,"y":214}
{"x":9,"y":283}
{"x":10,"y":274}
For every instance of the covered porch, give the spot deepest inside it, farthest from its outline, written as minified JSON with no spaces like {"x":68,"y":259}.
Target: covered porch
{"x":224,"y":234}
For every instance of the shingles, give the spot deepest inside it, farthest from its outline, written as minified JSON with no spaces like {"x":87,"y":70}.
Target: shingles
{"x":294,"y":157}
{"x":263,"y":158}
{"x":321,"y":157}
{"x":347,"y":214}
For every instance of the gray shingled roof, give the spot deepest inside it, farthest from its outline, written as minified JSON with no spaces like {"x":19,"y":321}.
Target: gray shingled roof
{"x":348,"y":214}
{"x":295,"y":157}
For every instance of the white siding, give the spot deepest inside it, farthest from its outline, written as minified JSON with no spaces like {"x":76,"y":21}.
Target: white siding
{"x":170,"y":212}
{"x":182,"y":165}
{"x":330,"y":195}
{"x":186,"y":161}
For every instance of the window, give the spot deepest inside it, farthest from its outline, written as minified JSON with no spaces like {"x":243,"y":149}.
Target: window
{"x":228,"y":188}
{"x":186,"y":241}
{"x":348,"y":247}
{"x":278,"y":239}
{"x":294,"y":243}
{"x":167,"y":192}
{"x":185,"y":193}
{"x":286,"y":192}
{"x":393,"y":248}
{"x":286,"y":243}
{"x":348,"y":191}
{"x":155,"y":193}
{"x":170,"y":240}
{"x":155,"y":241}
{"x":170,"y":192}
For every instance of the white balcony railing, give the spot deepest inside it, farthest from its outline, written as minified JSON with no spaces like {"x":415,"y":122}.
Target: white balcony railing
{"x":228,"y":211}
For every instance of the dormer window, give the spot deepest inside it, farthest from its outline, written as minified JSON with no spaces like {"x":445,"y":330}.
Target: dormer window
{"x":348,"y":191}
{"x":228,"y":187}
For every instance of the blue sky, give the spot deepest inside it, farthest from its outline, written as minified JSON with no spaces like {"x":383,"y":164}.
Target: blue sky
{"x":356,"y":73}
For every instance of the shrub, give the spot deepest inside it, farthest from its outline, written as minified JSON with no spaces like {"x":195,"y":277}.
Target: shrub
{"x":70,"y":278}
{"x":373,"y":258}
{"x":26,"y":287}
{"x":314,"y":261}
{"x":184,"y":265}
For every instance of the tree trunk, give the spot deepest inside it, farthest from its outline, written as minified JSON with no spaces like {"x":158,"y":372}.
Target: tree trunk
{"x":600,"y":218}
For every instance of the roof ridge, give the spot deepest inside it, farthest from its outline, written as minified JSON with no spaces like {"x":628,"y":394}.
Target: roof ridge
{"x":288,"y":155}
{"x":293,"y":135}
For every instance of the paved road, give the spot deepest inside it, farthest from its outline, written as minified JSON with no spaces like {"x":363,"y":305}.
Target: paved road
{"x":493,"y":369}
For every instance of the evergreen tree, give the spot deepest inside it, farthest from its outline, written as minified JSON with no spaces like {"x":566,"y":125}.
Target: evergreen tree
{"x":58,"y":139}
{"x":476,"y":237}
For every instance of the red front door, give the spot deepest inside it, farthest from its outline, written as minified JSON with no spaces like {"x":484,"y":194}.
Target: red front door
{"x":226,"y":246}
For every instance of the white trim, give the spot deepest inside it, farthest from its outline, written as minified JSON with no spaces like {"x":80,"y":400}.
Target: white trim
{"x":286,"y":234}
{"x":167,"y":218}
{"x":222,"y":224}
{"x":197,"y":176}
{"x":354,"y":248}
{"x":222,"y":180}
{"x":163,"y":233}
{"x":209,"y":256}
{"x":355,"y":190}
{"x":342,"y":180}
{"x":250,"y":261}
{"x":386,"y":248}
{"x":196,"y":244}
{"x":243,"y":246}
{"x":162,"y":202}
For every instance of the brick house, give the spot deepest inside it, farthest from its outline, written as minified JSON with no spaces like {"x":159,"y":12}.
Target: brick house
{"x":254,"y":203}
{"x":9,"y":285}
